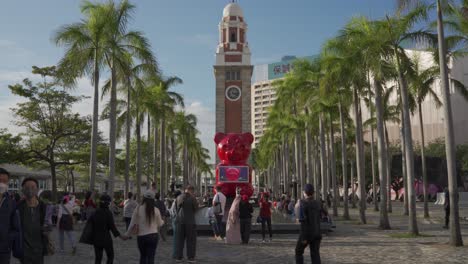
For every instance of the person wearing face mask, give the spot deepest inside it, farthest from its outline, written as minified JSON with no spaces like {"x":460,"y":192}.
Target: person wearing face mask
{"x":32,"y":214}
{"x":9,"y":225}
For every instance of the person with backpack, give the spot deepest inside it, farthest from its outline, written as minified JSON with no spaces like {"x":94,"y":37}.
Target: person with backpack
{"x":308,"y":215}
{"x":146,"y":221}
{"x":65,"y":224}
{"x":219,"y":206}
{"x":186,"y":207}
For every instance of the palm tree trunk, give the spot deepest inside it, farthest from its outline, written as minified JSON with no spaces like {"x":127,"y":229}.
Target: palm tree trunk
{"x":185,"y":162}
{"x":323,"y":158}
{"x":333,"y":170}
{"x":149,"y":157}
{"x":353,"y":189}
{"x":94,"y":133}
{"x":413,"y":224}
{"x":127,"y":145}
{"x":293,"y":169}
{"x":374,"y":176}
{"x":389,"y":166}
{"x":403,"y":170}
{"x":297,"y":158}
{"x":382,"y":158}
{"x":163,"y":157}
{"x":344,"y":166}
{"x":360,"y":158}
{"x":286,"y":166}
{"x":423,"y":163}
{"x":155,"y":152}
{"x":112,"y":131}
{"x":455,"y":232}
{"x":317,"y":169}
{"x":308,"y":139}
{"x":173,"y":160}
{"x":138,"y":155}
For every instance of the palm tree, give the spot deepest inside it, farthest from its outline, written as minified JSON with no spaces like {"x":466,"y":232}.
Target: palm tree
{"x":86,"y":45}
{"x":455,"y":232}
{"x":421,"y":83}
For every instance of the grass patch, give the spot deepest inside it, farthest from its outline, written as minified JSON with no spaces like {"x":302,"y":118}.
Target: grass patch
{"x":408,"y":235}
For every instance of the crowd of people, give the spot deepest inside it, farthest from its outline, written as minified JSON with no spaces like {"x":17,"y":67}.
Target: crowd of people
{"x":26,"y":223}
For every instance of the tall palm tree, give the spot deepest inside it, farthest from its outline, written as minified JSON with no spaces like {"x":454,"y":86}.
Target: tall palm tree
{"x":455,"y":232}
{"x":86,"y":45}
{"x":421,"y":83}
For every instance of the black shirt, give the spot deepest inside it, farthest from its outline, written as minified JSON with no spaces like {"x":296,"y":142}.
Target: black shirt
{"x":310,"y":224}
{"x":245,"y":210}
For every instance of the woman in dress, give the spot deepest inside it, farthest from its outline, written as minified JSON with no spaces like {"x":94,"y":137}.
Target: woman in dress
{"x":233,"y":235}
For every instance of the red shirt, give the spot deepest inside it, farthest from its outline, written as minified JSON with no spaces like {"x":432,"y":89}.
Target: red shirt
{"x":90,"y":203}
{"x":265,"y":208}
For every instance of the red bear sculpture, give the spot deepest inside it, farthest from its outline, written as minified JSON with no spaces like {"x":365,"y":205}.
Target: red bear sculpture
{"x":233,"y":170}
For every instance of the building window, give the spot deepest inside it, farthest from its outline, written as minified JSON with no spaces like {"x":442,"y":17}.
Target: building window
{"x":42,"y":185}
{"x":233,"y":37}
{"x":233,"y":76}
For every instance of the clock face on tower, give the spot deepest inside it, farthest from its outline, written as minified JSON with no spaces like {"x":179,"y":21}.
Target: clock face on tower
{"x":233,"y":93}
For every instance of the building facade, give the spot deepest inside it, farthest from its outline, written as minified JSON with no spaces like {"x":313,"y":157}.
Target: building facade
{"x":233,"y":73}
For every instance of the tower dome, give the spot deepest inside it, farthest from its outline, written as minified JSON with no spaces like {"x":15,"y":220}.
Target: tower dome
{"x":233,"y":9}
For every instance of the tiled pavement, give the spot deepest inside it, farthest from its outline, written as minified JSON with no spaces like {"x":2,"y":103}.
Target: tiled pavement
{"x":349,"y":243}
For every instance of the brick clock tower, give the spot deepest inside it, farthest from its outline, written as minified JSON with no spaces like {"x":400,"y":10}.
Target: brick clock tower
{"x":233,"y":73}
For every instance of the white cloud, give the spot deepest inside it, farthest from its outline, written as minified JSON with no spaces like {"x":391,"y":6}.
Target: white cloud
{"x":13,"y":54}
{"x":206,"y":124}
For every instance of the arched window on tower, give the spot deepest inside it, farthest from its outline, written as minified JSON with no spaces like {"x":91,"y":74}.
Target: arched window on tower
{"x":233,"y":37}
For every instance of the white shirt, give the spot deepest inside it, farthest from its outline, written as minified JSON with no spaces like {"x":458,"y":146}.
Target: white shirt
{"x":129,"y":207}
{"x":145,"y":228}
{"x":221,"y":198}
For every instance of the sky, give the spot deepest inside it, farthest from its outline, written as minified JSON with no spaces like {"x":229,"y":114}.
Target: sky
{"x":183,"y":35}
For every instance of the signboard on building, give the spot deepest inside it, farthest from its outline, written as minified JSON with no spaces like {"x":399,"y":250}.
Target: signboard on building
{"x":279,"y":69}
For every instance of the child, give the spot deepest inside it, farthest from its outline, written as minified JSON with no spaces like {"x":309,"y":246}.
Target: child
{"x":212,"y":220}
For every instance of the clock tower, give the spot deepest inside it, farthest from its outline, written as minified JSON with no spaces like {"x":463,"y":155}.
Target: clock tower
{"x":233,"y":73}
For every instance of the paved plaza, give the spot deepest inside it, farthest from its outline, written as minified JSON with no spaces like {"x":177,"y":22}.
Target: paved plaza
{"x":349,"y":243}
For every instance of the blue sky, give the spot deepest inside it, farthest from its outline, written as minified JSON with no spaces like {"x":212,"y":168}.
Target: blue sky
{"x":183,"y":35}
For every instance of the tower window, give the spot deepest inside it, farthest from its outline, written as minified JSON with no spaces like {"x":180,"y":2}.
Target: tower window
{"x":233,"y":37}
{"x":233,"y":76}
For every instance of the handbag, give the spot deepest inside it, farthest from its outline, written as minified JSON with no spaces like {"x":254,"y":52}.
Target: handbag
{"x":135,"y":227}
{"x":87,"y":234}
{"x":217,"y":210}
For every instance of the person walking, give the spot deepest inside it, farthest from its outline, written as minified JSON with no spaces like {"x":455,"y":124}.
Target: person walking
{"x":129,"y":207}
{"x":447,"y":207}
{"x":32,"y":213}
{"x":9,"y":219}
{"x":65,"y":224}
{"x":233,"y":230}
{"x":163,"y":212}
{"x":146,"y":220}
{"x":265,"y":215}
{"x":102,"y":222}
{"x":90,"y":206}
{"x":186,"y":207}
{"x":245,"y":215}
{"x":308,"y":215}
{"x":219,"y":205}
{"x":173,"y":214}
